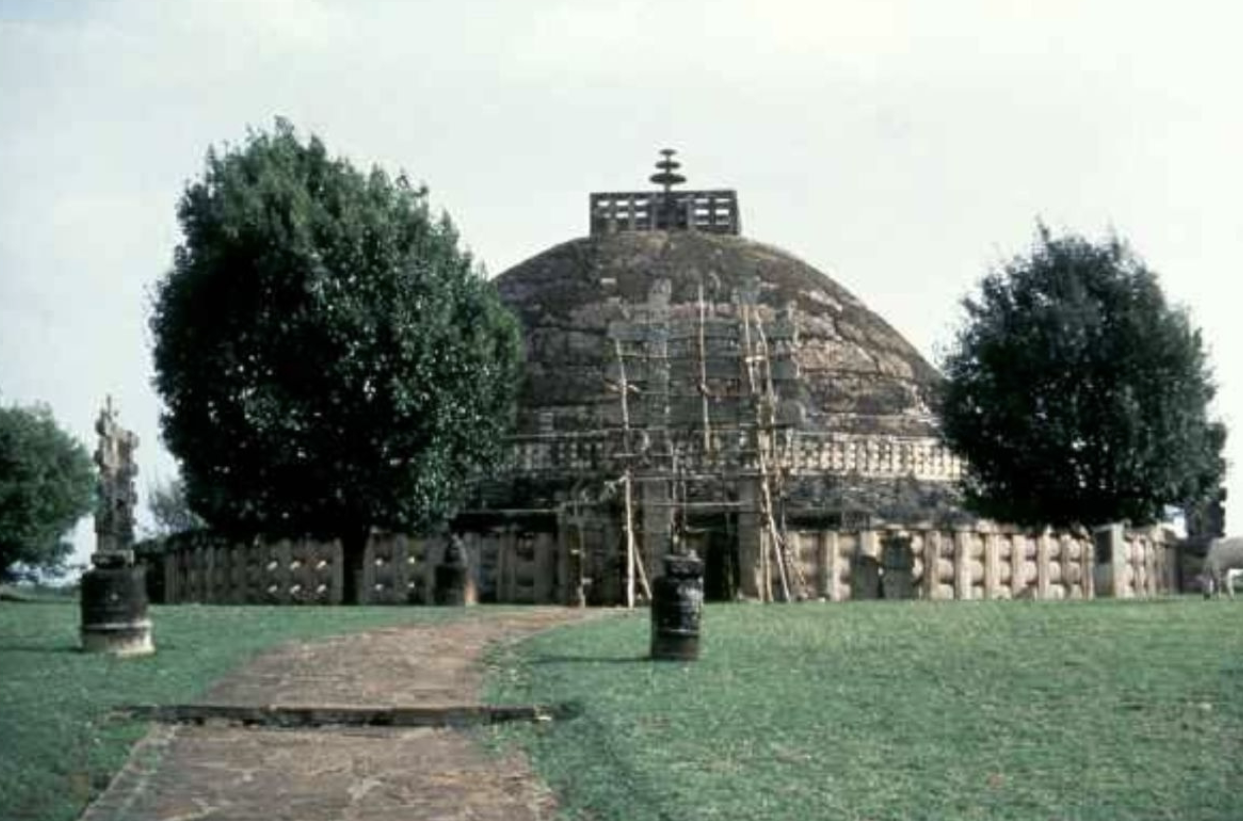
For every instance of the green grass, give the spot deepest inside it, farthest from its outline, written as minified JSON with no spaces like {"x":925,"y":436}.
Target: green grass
{"x":1005,"y":710}
{"x":58,"y":745}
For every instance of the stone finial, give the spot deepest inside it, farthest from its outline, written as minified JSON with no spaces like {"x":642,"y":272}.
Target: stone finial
{"x":668,"y":166}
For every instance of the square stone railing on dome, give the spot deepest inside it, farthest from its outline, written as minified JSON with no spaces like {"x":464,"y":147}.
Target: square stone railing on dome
{"x":715,"y":211}
{"x":874,"y":455}
{"x":799,"y":452}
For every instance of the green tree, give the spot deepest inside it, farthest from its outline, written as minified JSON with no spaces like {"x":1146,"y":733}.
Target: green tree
{"x":1077,"y":394}
{"x":47,"y":483}
{"x":170,"y":510}
{"x":330,"y":360}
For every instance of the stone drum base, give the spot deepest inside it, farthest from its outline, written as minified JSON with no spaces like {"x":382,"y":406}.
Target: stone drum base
{"x":127,"y":639}
{"x":677,"y":606}
{"x":667,"y":646}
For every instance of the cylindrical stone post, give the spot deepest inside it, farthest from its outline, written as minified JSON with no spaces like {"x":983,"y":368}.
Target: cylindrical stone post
{"x":114,"y":610}
{"x":677,"y":608}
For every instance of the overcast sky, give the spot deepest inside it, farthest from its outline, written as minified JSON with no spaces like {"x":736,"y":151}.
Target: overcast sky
{"x":903,"y":148}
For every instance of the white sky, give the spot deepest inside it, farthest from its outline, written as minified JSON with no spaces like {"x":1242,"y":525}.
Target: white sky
{"x":901,"y":147}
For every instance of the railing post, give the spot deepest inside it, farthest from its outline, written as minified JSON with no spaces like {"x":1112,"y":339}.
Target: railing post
{"x":992,"y":571}
{"x":962,"y":566}
{"x":1042,"y":565}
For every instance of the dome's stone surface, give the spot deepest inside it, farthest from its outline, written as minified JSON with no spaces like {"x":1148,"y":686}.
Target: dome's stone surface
{"x":847,"y":370}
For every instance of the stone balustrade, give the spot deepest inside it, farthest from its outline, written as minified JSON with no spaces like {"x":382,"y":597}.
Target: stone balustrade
{"x":797,"y":452}
{"x":523,"y":566}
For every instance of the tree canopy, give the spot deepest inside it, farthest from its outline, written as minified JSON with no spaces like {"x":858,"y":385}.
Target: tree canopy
{"x":1077,"y":395}
{"x":329,"y":358}
{"x":47,"y":483}
{"x":170,"y":512}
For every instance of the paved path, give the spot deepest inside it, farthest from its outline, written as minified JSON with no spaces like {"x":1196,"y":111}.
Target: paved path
{"x":226,"y":773}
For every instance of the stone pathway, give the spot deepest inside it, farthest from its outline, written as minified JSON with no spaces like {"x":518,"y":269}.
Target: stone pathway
{"x":229,"y":773}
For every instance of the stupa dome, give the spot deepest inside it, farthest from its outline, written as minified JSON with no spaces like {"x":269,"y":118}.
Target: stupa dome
{"x":687,"y":388}
{"x":836,"y":365}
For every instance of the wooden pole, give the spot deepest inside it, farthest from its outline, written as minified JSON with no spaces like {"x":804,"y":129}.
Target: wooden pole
{"x":770,"y":410}
{"x":641,"y":567}
{"x":703,"y":373}
{"x":624,"y":388}
{"x":761,"y":425}
{"x":629,"y":542}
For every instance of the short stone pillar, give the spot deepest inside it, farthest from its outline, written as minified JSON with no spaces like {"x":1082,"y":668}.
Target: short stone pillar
{"x":677,"y":608}
{"x":864,"y":577}
{"x":1110,"y":573}
{"x":114,"y":608}
{"x":452,"y":585}
{"x":898,"y":561}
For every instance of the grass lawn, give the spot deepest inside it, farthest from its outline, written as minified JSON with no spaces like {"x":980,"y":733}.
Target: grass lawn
{"x":59,"y":748}
{"x":879,"y":710}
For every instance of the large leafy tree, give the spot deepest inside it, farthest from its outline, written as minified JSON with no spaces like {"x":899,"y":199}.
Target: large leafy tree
{"x":47,"y":483}
{"x":1077,"y":394}
{"x":330,"y":359}
{"x":169,"y":509}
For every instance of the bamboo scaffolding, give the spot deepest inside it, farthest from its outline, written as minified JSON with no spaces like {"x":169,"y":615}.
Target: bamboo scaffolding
{"x":624,"y":389}
{"x":791,"y":567}
{"x":635,"y":563}
{"x":579,"y":555}
{"x":633,"y":560}
{"x":763,"y":423}
{"x":703,"y":373}
{"x":744,"y":443}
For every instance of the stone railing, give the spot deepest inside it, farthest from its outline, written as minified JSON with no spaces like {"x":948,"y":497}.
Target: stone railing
{"x":874,"y":456}
{"x":988,"y":561}
{"x":798,"y":452}
{"x":714,"y":211}
{"x":507,"y":565}
{"x":522,"y":566}
{"x":208,"y":570}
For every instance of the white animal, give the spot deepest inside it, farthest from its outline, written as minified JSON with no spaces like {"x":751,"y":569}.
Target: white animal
{"x":1223,"y":556}
{"x":1232,"y":576}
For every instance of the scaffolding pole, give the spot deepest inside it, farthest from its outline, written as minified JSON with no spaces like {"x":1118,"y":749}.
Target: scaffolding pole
{"x":763,"y":413}
{"x":703,"y":373}
{"x":632,"y":550}
{"x":792,"y":568}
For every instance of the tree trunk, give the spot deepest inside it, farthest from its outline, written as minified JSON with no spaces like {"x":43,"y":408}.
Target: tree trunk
{"x":353,"y":555}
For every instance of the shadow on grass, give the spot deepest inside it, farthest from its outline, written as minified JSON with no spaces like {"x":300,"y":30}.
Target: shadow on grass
{"x":19,"y":647}
{"x":569,"y":659}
